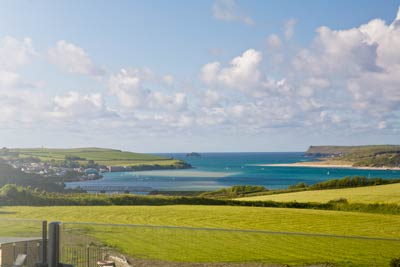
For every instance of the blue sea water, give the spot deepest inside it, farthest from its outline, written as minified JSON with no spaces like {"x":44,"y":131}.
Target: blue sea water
{"x":212,"y":171}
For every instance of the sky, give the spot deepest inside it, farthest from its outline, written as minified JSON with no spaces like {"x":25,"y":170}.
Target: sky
{"x":206,"y":76}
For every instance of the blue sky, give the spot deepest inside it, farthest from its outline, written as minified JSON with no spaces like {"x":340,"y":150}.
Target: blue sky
{"x":223,"y":75}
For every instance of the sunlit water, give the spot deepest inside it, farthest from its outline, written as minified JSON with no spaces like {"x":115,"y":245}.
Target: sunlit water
{"x":216,"y":170}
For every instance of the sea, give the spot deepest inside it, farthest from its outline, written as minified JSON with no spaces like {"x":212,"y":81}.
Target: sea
{"x":212,"y":171}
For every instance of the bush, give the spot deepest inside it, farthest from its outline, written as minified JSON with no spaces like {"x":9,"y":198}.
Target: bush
{"x":395,"y":262}
{"x":341,"y":200}
{"x":349,"y":181}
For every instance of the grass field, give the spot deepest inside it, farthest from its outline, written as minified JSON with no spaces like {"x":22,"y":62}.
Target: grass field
{"x":370,"y":194}
{"x":190,"y":245}
{"x":108,"y":157}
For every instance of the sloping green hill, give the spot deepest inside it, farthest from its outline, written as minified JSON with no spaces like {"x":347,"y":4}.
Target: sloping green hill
{"x":370,"y":194}
{"x":360,"y":156}
{"x":102,"y":156}
{"x":345,"y":150}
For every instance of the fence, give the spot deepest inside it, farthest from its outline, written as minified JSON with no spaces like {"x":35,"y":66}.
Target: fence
{"x":84,"y":245}
{"x":24,"y":238}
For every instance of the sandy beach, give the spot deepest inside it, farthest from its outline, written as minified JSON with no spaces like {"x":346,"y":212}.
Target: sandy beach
{"x":327,"y":164}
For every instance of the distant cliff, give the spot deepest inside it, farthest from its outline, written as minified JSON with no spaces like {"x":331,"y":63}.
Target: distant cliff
{"x":368,"y":156}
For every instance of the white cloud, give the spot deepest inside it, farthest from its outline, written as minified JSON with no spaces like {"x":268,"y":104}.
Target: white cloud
{"x":345,"y":79}
{"x":211,"y":98}
{"x":357,"y":68}
{"x":15,"y":53}
{"x":80,"y":107}
{"x":9,"y":79}
{"x":227,"y":10}
{"x":242,"y":73}
{"x":209,"y":72}
{"x":161,"y":101}
{"x":77,"y":106}
{"x":130,"y":88}
{"x":73,"y":59}
{"x":342,"y":53}
{"x":288,"y":28}
{"x":127,"y":87}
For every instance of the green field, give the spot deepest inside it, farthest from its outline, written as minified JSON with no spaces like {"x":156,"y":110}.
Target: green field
{"x":195,"y":245}
{"x":102,"y":156}
{"x":370,"y":194}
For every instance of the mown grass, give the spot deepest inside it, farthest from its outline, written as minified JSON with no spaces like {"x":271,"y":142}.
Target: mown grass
{"x":388,"y":194}
{"x":190,"y":245}
{"x":275,"y":219}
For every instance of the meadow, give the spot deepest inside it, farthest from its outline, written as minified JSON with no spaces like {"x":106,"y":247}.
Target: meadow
{"x":388,"y":194}
{"x":200,"y":245}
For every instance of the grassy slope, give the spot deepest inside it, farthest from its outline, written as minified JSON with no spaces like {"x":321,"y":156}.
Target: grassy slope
{"x":370,"y":194}
{"x":110,"y":157}
{"x":372,"y":155}
{"x":204,"y":246}
{"x":352,"y":149}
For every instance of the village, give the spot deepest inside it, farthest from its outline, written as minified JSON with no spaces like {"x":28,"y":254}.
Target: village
{"x":70,"y":170}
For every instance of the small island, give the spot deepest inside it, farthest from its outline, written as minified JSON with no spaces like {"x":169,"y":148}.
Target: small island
{"x":193,"y":154}
{"x":362,"y":157}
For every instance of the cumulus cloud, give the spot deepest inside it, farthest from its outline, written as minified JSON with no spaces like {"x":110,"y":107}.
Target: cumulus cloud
{"x":211,"y":98}
{"x":357,"y":68}
{"x":127,"y":87}
{"x":77,"y":106}
{"x":344,"y":53}
{"x":130,"y":88}
{"x":15,"y":53}
{"x":228,"y":10}
{"x":345,"y":79}
{"x":160,"y":100}
{"x":242,"y":73}
{"x":73,"y":59}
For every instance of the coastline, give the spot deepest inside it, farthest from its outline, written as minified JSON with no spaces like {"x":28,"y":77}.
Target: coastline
{"x":322,"y":164}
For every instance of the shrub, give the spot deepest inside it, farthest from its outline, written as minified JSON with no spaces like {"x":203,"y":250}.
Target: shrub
{"x":341,"y":200}
{"x":395,"y":262}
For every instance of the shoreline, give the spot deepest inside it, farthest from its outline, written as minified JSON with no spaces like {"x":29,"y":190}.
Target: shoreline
{"x":328,"y":165}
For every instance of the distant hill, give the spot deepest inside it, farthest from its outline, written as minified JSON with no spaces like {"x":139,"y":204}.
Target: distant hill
{"x":101,"y":156}
{"x":368,"y":156}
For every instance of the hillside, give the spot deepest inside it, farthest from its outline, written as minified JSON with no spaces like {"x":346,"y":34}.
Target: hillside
{"x":359,"y":156}
{"x":100,"y":156}
{"x":370,"y":194}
